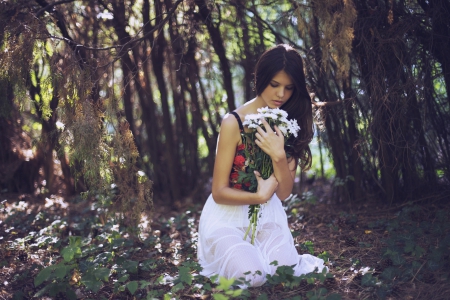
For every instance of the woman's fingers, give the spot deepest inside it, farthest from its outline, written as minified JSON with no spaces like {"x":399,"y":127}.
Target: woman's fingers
{"x":268,"y":129}
{"x":277,"y":130}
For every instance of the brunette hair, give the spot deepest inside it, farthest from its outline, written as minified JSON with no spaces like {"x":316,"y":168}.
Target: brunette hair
{"x":285,"y":58}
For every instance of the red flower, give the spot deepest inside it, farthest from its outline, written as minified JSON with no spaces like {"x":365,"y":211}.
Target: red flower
{"x":238,"y":186}
{"x":247,"y":184}
{"x":241,"y":147}
{"x":239,"y":161}
{"x":234,"y":175}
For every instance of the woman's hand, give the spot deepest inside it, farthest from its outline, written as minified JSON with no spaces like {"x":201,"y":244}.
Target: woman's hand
{"x":266,"y":188}
{"x":270,"y":141}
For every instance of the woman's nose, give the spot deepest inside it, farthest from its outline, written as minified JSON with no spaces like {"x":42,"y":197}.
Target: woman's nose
{"x":280,"y":92}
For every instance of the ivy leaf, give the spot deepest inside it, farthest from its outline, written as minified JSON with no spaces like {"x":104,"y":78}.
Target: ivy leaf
{"x":132,"y":286}
{"x":388,"y":273}
{"x":409,"y":247}
{"x":366,"y":280}
{"x":397,"y":259}
{"x":75,"y":241}
{"x":69,"y":252}
{"x":224,"y":283}
{"x":91,"y":282}
{"x":44,"y":275}
{"x":62,"y":269}
{"x":419,"y":251}
{"x":263,"y":296}
{"x":185,"y":275}
{"x":42,"y":291}
{"x":130,"y":265}
{"x":102,"y":273}
{"x":333,"y":297}
{"x":123,"y":278}
{"x":220,"y":297}
{"x":178,"y":287}
{"x":144,"y":284}
{"x":103,"y":258}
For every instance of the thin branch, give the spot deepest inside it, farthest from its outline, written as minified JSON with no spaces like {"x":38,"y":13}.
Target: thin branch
{"x":48,"y":7}
{"x":157,"y":27}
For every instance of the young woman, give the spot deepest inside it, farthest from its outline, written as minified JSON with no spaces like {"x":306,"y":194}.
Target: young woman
{"x":279,"y":82}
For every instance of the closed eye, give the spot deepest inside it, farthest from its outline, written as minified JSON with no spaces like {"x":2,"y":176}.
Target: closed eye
{"x":289,"y":88}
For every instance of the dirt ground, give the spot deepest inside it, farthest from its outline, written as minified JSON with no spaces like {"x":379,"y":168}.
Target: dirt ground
{"x":374,"y":250}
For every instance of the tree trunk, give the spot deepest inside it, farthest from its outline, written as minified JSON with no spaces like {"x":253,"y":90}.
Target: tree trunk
{"x":216,"y":38}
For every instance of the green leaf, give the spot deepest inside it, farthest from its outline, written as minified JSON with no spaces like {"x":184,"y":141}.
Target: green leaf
{"x":225,"y":283}
{"x":234,"y":293}
{"x":102,"y":273}
{"x":75,"y":241}
{"x":177,"y":287}
{"x":44,"y":275}
{"x":333,"y":296}
{"x":91,"y":282}
{"x":71,"y":294}
{"x":185,"y":275}
{"x":123,"y":278}
{"x":130,"y":265}
{"x":103,"y":258}
{"x":397,"y":259}
{"x":419,"y":251}
{"x":409,"y":247}
{"x":132,"y":286}
{"x":69,"y":252}
{"x":18,"y":295}
{"x":366,"y":280}
{"x":322,"y":292}
{"x":42,"y":291}
{"x":62,"y":269}
{"x":220,"y":297}
{"x":263,"y":296}
{"x":388,"y":273}
{"x":324,"y":255}
{"x":144,"y":284}
{"x":167,"y":297}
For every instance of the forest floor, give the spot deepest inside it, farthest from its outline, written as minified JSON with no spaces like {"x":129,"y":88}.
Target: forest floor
{"x":56,"y":248}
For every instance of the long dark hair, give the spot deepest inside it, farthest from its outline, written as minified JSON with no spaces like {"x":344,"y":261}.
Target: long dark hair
{"x":285,"y":58}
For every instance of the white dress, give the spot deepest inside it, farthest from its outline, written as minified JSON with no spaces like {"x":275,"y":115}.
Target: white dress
{"x":222,"y":249}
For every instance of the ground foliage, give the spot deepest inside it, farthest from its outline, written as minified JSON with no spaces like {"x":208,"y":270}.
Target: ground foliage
{"x":73,"y":248}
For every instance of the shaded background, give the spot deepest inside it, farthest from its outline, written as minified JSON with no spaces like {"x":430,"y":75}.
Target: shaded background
{"x":126,"y":97}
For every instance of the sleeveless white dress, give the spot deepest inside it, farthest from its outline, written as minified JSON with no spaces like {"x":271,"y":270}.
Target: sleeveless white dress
{"x":222,"y":250}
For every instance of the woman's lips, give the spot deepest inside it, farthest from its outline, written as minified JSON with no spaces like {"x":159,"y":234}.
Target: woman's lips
{"x":278,"y":103}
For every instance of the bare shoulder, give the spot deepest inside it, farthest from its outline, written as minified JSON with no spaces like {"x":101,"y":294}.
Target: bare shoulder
{"x":229,"y":130}
{"x":229,"y":123}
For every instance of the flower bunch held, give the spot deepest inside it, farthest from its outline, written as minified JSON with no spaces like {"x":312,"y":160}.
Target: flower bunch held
{"x":259,"y":160}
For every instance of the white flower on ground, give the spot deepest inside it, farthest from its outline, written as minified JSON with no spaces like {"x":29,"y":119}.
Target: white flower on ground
{"x":364,"y":270}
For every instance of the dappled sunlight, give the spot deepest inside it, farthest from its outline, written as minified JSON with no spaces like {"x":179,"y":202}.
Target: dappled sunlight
{"x":374,"y":251}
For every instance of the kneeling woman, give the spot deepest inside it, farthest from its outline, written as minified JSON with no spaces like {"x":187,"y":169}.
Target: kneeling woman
{"x":222,"y":250}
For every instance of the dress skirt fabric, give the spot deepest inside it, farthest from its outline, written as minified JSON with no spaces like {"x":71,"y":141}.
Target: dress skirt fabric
{"x":222,"y":249}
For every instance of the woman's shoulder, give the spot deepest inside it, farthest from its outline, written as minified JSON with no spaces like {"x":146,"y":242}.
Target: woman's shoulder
{"x":230,"y":122}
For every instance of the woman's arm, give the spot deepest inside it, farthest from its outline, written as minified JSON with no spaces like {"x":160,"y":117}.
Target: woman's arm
{"x":272,"y":143}
{"x":227,"y":142}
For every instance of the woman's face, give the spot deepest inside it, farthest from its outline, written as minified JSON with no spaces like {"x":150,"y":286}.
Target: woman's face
{"x":278,"y":91}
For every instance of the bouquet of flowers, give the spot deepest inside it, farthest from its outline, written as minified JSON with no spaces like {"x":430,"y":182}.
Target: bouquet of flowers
{"x":258,"y":159}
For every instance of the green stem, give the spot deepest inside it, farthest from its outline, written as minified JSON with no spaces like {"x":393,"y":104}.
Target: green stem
{"x":254,"y":223}
{"x":248,"y":229}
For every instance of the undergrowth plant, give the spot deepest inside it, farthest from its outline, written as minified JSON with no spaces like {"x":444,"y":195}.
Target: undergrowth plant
{"x":94,"y":257}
